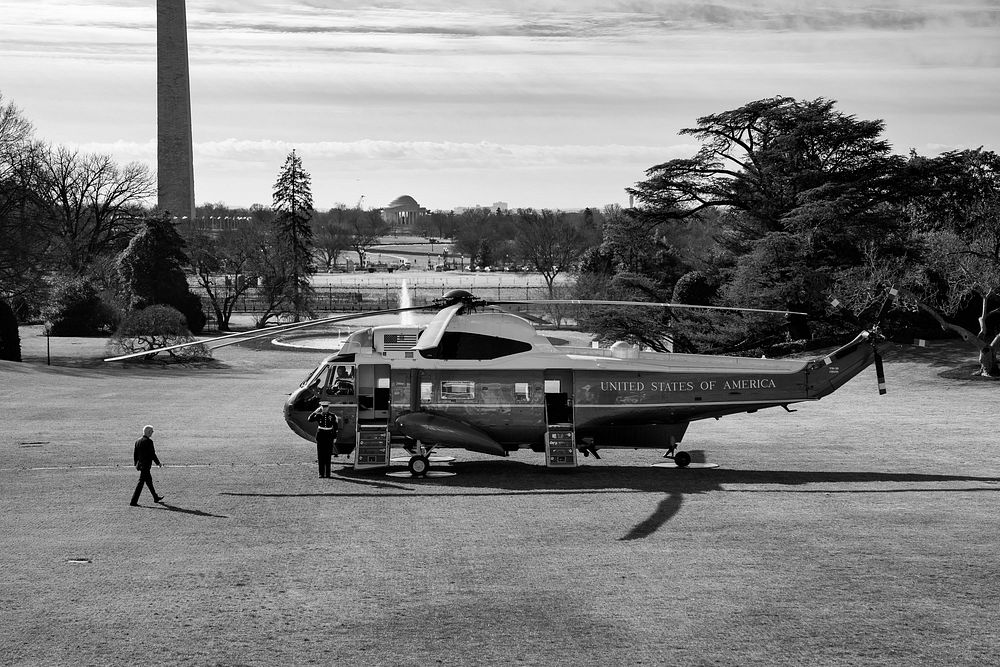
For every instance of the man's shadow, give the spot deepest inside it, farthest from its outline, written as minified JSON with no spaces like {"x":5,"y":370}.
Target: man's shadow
{"x":182,"y":510}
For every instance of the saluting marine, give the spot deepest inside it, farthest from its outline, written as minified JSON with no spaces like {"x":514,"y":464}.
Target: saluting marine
{"x":326,"y":435}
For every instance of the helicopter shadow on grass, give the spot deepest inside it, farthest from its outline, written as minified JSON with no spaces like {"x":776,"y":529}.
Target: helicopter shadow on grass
{"x":505,"y":477}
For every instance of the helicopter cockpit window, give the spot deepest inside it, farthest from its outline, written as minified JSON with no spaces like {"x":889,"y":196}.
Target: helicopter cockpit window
{"x":313,"y":377}
{"x":342,"y":380}
{"x":318,"y":378}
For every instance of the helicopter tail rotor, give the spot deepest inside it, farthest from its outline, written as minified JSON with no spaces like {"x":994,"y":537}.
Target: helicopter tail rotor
{"x":876,"y":337}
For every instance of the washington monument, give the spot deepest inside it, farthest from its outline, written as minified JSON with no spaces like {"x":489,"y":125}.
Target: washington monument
{"x":174,"y":159}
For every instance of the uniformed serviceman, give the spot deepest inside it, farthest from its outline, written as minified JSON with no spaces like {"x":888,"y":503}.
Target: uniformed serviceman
{"x":144,"y":456}
{"x":326,"y":434}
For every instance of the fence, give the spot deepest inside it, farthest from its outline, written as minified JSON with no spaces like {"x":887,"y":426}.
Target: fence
{"x":365,"y":296}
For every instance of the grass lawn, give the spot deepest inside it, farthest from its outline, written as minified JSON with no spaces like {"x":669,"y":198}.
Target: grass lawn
{"x":858,"y":530}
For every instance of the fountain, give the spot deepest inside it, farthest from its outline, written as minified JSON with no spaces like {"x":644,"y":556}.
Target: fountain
{"x":405,"y":302}
{"x":327,"y":341}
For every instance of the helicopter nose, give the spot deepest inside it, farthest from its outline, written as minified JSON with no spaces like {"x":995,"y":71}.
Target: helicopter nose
{"x":296,"y":413}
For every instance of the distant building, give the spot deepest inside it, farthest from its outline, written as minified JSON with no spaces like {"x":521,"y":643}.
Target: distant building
{"x":500,"y":206}
{"x":404,"y":211}
{"x":212,"y":225}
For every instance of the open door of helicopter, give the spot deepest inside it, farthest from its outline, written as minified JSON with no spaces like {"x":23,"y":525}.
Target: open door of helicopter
{"x":560,"y":427}
{"x":336,"y":385}
{"x":374,"y":396}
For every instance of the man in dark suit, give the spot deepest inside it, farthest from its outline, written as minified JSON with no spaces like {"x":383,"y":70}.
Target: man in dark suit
{"x":327,"y":426}
{"x":144,"y":456}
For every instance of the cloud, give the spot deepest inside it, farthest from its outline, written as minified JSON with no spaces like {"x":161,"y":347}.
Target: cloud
{"x":429,"y":154}
{"x":414,"y":89}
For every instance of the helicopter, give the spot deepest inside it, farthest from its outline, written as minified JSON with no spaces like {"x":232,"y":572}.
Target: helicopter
{"x":480,"y":378}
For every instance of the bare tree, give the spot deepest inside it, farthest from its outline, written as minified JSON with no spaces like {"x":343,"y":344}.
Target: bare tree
{"x":221,"y":265}
{"x":366,"y":228}
{"x":93,"y":204}
{"x":25,"y":239}
{"x":549,"y":243}
{"x":330,"y":237}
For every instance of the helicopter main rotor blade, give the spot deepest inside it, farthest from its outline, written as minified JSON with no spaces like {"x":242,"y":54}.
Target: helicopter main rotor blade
{"x":253,"y":334}
{"x":432,"y":336}
{"x":647,"y":304}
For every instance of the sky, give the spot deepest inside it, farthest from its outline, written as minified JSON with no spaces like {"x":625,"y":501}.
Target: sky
{"x":536,"y":103}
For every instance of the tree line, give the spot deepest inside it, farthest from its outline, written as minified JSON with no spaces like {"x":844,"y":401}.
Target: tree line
{"x":229,"y":261}
{"x":787,"y":204}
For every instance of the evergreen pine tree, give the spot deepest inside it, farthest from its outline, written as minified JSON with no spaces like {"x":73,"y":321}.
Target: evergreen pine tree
{"x":293,"y":208}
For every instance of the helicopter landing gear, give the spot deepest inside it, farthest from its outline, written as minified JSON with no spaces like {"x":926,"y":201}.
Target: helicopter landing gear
{"x":419,"y":462}
{"x":418,"y":465}
{"x":420,"y":459}
{"x":682,"y":459}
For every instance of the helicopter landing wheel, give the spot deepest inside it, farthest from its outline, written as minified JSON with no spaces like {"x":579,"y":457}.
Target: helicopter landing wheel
{"x":682,"y":459}
{"x":418,"y":466}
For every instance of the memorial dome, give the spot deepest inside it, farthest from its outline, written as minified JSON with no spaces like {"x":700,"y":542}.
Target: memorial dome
{"x":404,"y":201}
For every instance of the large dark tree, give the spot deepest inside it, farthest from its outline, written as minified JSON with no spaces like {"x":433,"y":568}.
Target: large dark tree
{"x":293,"y":208}
{"x":151,"y":271}
{"x":797,"y":182}
{"x":957,"y":215}
{"x":10,"y":339}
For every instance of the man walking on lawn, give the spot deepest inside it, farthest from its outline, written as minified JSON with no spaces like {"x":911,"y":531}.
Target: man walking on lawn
{"x":144,"y":456}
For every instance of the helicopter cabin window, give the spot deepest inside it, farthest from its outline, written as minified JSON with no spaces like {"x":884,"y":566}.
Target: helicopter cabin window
{"x":522,"y":393}
{"x":458,"y":390}
{"x":466,"y":345}
{"x":426,"y":392}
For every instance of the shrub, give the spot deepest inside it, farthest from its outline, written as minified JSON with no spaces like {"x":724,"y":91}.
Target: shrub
{"x":10,"y":339}
{"x":153,"y":328}
{"x":77,"y":309}
{"x":190,"y":306}
{"x":695,"y":288}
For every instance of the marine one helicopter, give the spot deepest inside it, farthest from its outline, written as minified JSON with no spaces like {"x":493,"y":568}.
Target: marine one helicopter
{"x":483,"y":379}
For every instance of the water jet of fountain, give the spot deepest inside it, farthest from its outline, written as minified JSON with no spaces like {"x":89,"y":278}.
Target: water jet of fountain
{"x":405,"y":302}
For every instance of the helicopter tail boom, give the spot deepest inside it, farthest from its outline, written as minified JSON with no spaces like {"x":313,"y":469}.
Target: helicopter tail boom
{"x":827,"y":374}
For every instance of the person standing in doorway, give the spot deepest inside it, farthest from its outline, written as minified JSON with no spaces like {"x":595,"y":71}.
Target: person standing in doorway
{"x":144,"y":456}
{"x":326,"y":434}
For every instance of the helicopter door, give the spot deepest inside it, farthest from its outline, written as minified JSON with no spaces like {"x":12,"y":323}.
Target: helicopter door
{"x":560,"y":440}
{"x":374,"y":397}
